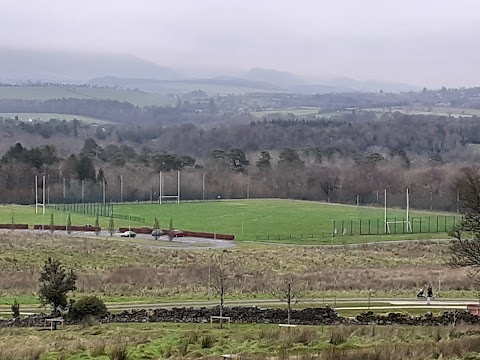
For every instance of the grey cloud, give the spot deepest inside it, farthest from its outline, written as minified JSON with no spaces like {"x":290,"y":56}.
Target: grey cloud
{"x":425,"y":42}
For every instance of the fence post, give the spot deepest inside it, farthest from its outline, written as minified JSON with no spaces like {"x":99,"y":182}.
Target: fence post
{"x":429,"y":224}
{"x":437,"y":224}
{"x":351,"y":227}
{"x":333,"y":230}
{"x":403,"y":225}
{"x":342,"y":228}
{"x":445,"y":229}
{"x":360,"y":226}
{"x":395,"y":225}
{"x":369,"y":227}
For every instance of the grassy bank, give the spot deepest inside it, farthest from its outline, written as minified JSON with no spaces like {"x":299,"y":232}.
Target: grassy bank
{"x":188,"y":341}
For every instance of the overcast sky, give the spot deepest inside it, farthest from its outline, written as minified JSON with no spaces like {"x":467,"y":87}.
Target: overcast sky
{"x":422,"y":42}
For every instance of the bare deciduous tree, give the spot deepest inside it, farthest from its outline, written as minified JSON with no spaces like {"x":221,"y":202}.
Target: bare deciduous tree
{"x":288,"y":292}
{"x":219,"y":278}
{"x":465,"y":249}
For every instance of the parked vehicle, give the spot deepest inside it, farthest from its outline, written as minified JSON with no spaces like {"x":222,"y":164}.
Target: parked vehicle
{"x":157,"y":232}
{"x":128,"y":233}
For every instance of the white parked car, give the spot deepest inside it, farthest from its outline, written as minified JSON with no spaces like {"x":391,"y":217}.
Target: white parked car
{"x":128,"y":233}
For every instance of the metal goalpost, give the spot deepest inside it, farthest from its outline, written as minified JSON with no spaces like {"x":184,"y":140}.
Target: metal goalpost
{"x":161,"y":189}
{"x":41,"y":204}
{"x":405,"y":222}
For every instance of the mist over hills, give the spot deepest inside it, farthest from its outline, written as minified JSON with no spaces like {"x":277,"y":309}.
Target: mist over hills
{"x":130,"y":72}
{"x":55,"y":66}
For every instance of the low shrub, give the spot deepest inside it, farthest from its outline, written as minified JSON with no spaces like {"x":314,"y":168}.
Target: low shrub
{"x":90,"y":306}
{"x":119,"y":352}
{"x":207,"y":341}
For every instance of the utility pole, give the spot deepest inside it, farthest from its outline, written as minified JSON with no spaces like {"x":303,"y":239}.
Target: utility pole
{"x":64,"y":193}
{"x":203,"y":186}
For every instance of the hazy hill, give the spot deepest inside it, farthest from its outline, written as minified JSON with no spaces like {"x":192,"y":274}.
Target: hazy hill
{"x":283,"y":79}
{"x":218,"y":85}
{"x":55,"y":66}
{"x":130,"y":72}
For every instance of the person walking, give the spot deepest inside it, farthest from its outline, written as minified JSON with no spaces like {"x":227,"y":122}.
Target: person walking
{"x":421,"y":294}
{"x":430,"y":291}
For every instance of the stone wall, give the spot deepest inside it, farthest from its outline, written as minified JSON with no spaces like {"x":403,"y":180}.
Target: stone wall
{"x":309,"y":316}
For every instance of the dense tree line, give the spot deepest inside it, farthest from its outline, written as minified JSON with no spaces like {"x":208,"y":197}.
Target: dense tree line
{"x":309,"y":174}
{"x":438,"y":137}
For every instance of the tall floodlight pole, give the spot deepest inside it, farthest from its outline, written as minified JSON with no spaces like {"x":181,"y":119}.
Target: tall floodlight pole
{"x":408,"y":204}
{"x":385,"y":211}
{"x":83,"y":191}
{"x":248,"y":188}
{"x":203,"y":186}
{"x":48,"y":192}
{"x":103,"y":185}
{"x":121,"y":188}
{"x":44,"y":182}
{"x":64,"y":190}
{"x":358,"y":208}
{"x":160,"y":188}
{"x":36,"y":194}
{"x":178,"y":187}
{"x":408,"y":208}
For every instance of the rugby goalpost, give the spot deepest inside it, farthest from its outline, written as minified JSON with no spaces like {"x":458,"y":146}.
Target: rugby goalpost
{"x":405,"y":222}
{"x":161,"y":189}
{"x":37,"y":203}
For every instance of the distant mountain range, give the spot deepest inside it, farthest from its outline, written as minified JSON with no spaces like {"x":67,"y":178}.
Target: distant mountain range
{"x":130,"y":72}
{"x":55,"y":66}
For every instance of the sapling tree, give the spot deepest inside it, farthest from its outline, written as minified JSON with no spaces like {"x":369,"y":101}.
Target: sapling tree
{"x":52,"y":226}
{"x":288,"y":293}
{"x":156,"y":226}
{"x":97,"y":225}
{"x":170,"y":230}
{"x":69,"y":224}
{"x":15,"y":309}
{"x":12,"y":217}
{"x":111,"y":225}
{"x":219,"y":278}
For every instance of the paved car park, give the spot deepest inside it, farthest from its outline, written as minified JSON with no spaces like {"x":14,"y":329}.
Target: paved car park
{"x":185,"y":242}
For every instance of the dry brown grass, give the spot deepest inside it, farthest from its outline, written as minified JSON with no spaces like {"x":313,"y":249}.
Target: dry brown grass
{"x":112,"y":268}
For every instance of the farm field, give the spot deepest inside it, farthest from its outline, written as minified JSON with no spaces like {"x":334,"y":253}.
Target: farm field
{"x":48,"y":116}
{"x":33,"y":92}
{"x":442,"y":111}
{"x":255,"y":342}
{"x":253,"y":219}
{"x":300,"y":111}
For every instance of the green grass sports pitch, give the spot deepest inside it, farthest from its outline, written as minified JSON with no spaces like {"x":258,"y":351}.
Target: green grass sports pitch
{"x":255,"y":219}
